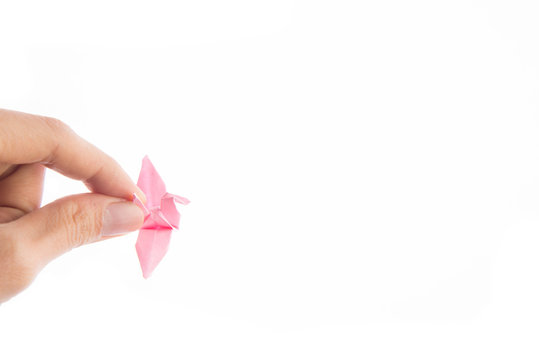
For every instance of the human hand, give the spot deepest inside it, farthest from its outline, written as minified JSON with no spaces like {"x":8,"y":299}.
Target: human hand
{"x":30,"y":236}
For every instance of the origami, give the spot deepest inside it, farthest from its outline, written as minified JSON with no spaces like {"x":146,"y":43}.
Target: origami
{"x":161,"y":217}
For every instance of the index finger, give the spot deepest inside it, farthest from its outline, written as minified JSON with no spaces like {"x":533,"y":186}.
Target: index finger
{"x":26,"y":138}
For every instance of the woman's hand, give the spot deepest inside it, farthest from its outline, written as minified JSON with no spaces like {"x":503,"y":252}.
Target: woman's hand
{"x":31,"y":236}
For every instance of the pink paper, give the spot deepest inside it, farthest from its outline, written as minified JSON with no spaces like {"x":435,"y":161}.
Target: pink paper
{"x":161,"y":218}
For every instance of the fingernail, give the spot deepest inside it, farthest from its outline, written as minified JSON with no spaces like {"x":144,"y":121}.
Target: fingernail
{"x":121,"y":218}
{"x":141,"y":195}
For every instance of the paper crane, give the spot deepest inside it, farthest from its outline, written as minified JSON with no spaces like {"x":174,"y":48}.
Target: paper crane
{"x":161,"y":217}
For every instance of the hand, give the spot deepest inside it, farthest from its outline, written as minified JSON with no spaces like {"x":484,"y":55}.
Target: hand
{"x":31,"y":236}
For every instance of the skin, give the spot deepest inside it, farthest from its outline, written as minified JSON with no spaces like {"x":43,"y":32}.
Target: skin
{"x":31,"y":236}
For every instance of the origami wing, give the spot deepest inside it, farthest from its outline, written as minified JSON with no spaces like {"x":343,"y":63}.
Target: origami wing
{"x":152,"y":245}
{"x":151,"y":184}
{"x":161,"y":218}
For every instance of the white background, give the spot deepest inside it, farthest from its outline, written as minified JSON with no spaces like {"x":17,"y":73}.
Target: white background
{"x":364,"y":177}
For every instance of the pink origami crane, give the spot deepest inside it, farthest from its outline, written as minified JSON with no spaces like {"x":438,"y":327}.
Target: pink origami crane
{"x":161,"y":216}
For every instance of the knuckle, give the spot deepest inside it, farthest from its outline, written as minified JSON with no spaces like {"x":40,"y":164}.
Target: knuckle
{"x":58,"y":131}
{"x":78,"y":223}
{"x":54,"y":124}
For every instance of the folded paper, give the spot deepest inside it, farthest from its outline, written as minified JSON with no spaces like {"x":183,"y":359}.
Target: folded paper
{"x":161,"y":217}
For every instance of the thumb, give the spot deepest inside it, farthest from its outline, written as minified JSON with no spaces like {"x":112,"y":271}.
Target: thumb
{"x":74,"y":221}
